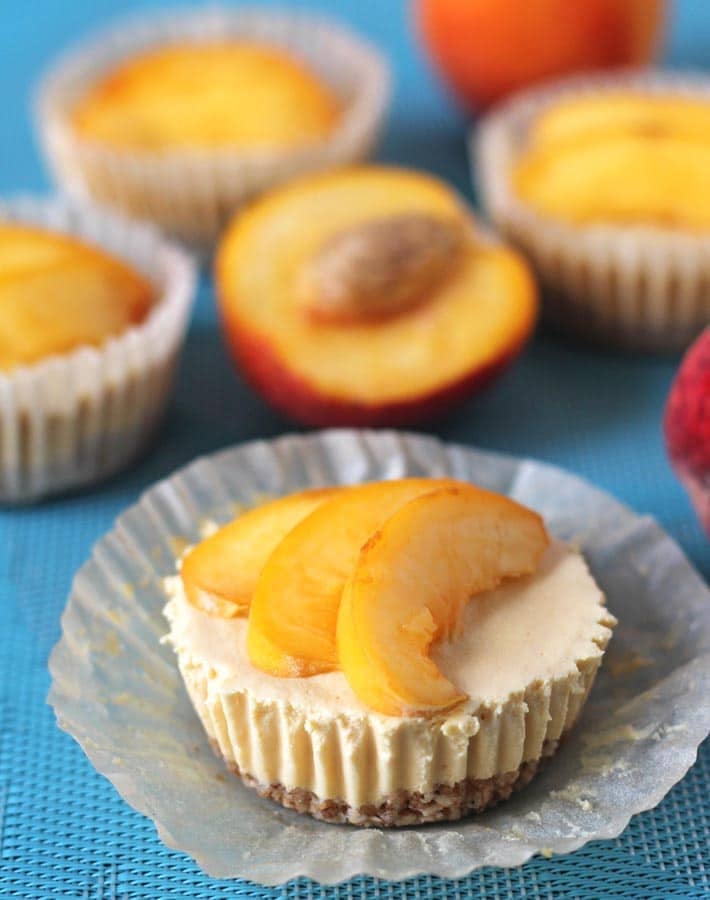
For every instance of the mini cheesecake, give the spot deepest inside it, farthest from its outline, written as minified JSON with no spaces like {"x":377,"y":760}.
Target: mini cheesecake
{"x":602,"y":182}
{"x":418,"y":676}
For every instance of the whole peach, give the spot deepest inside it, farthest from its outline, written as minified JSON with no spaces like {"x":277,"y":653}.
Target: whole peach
{"x":487,"y":49}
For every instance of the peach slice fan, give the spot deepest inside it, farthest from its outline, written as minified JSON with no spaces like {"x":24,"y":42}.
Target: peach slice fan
{"x":294,"y":613}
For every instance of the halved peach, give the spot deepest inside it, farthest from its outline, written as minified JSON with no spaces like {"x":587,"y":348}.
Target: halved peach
{"x":294,"y":610}
{"x":411,"y":584}
{"x":220,"y":574}
{"x":368,"y":296}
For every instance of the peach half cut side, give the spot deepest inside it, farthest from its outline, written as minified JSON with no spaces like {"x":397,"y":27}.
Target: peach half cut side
{"x":368,"y":296}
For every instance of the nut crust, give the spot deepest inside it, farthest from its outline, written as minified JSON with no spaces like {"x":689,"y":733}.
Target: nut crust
{"x":446,"y":803}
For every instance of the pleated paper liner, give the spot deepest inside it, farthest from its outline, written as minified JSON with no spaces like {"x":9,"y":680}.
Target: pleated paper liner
{"x":116,"y":688}
{"x":75,"y":418}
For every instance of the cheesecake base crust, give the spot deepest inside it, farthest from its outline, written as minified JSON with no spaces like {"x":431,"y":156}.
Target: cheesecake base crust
{"x":446,"y":803}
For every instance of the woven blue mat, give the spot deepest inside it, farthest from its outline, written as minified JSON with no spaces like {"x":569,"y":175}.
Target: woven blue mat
{"x":64,"y":832}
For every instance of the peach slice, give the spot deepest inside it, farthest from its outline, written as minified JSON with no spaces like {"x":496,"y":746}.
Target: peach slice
{"x":220,"y":574}
{"x":212,"y":94}
{"x":413,"y":579}
{"x":58,"y":293}
{"x":578,"y":119}
{"x":294,"y":611}
{"x":620,"y":158}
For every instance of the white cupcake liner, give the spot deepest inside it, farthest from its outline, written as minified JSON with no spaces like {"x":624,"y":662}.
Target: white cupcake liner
{"x":192,"y":193}
{"x":75,"y":418}
{"x":643,"y":288}
{"x":117,"y":689}
{"x":415,"y":755}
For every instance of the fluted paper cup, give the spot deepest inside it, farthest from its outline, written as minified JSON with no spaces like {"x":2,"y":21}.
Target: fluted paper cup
{"x":191,"y":193}
{"x":639,"y":287}
{"x":117,"y":689}
{"x":74,"y":418}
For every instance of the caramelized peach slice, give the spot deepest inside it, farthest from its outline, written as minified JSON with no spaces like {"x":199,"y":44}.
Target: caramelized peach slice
{"x":411,"y":583}
{"x":294,"y":612}
{"x":58,"y":294}
{"x":209,"y":94}
{"x":620,"y":158}
{"x":220,"y":574}
{"x":576,"y":120}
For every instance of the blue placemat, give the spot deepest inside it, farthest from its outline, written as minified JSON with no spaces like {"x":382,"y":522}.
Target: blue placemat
{"x":64,"y":832}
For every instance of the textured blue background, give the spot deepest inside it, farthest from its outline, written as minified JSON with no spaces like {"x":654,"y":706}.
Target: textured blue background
{"x":64,"y":832}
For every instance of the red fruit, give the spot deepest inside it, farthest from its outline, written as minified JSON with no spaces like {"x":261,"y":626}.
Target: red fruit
{"x":687,"y":425}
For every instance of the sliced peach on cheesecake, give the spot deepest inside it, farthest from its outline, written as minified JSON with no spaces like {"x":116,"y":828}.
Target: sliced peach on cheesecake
{"x":294,"y":611}
{"x":220,"y":574}
{"x":369,"y":296}
{"x":411,"y":583}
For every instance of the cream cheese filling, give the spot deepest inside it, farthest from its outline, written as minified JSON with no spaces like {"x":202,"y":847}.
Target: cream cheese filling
{"x":527,"y":658}
{"x":533,"y":629}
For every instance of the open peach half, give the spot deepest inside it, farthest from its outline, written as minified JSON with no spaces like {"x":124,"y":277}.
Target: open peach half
{"x":220,"y":574}
{"x":294,"y":611}
{"x":368,"y":296}
{"x":411,"y":583}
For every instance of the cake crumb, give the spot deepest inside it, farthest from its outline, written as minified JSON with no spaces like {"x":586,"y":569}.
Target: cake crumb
{"x":628,"y":664}
{"x":533,"y":816}
{"x":664,"y":730}
{"x":603,"y":764}
{"x":207,"y":527}
{"x":112,"y":645}
{"x":618,"y":735}
{"x":573,"y":794}
{"x":177,"y":546}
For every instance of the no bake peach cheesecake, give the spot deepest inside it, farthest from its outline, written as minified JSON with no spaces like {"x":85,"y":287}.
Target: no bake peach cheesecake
{"x":387,"y":654}
{"x":180,"y":118}
{"x":604,"y":185}
{"x":93,"y":310}
{"x":228,"y":94}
